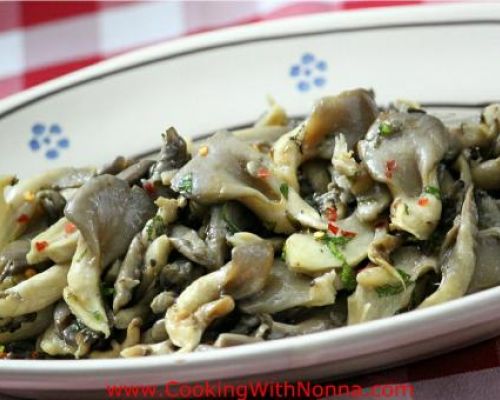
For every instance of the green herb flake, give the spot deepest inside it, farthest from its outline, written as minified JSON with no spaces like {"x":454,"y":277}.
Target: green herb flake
{"x":84,"y":252}
{"x":284,"y":190}
{"x":335,"y":244}
{"x":407,"y":209}
{"x":392,"y":290}
{"x":348,"y":277}
{"x":405,"y":276}
{"x":155,"y":228}
{"x":385,"y":129}
{"x":2,"y":348}
{"x":283,"y":254}
{"x":107,"y":291}
{"x":389,"y":290}
{"x":185,"y":185}
{"x":97,"y":316}
{"x":433,"y":190}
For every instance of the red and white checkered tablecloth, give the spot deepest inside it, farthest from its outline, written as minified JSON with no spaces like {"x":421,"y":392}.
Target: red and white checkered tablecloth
{"x":43,"y":40}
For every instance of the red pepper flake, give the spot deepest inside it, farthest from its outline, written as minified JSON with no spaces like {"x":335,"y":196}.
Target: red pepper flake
{"x":149,"y":187}
{"x":23,"y":218}
{"x":41,"y":246}
{"x":263,"y":173}
{"x":348,"y":234}
{"x":423,"y":201}
{"x":35,"y":354}
{"x":390,"y":166}
{"x":333,"y":228}
{"x":331,"y":214}
{"x":69,"y":228}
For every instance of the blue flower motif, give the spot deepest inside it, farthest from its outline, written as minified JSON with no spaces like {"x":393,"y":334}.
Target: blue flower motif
{"x":309,"y":72}
{"x":49,"y":139}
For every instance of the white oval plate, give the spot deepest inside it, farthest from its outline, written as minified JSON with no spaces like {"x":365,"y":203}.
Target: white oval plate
{"x":440,"y":55}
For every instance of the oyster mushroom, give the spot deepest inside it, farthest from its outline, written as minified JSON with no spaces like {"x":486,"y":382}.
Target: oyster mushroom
{"x":306,"y":254}
{"x":52,"y":202}
{"x":211,"y":296}
{"x":35,"y":293}
{"x":458,"y":259}
{"x":234,"y":170}
{"x":486,"y":175}
{"x":51,"y":343}
{"x":487,"y":270}
{"x":403,"y":151}
{"x":57,"y":243}
{"x":210,"y":253}
{"x":132,"y":338}
{"x":173,"y":155}
{"x":13,"y":258}
{"x":351,"y":179}
{"x":141,"y":350}
{"x":230,"y":171}
{"x":19,"y":204}
{"x":139,"y":310}
{"x":130,"y":271}
{"x":28,"y":328}
{"x":178,"y":274}
{"x":350,"y":112}
{"x":136,"y":171}
{"x":286,"y":289}
{"x":129,"y":274}
{"x":108,"y":214}
{"x":380,"y":293}
{"x":234,"y":339}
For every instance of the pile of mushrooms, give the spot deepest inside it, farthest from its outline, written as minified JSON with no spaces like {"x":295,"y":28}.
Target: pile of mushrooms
{"x":285,"y":228}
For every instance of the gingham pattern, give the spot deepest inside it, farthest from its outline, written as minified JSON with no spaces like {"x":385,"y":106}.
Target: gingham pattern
{"x":43,"y":40}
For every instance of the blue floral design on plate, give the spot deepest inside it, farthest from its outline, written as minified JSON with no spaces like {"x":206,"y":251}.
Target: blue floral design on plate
{"x":49,"y":139}
{"x":309,"y":72}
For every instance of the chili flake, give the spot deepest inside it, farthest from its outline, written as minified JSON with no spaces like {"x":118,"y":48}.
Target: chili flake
{"x":348,"y":234}
{"x":331,"y":214}
{"x":390,"y":167}
{"x":41,"y":246}
{"x":423,"y":201}
{"x":333,"y":228}
{"x":23,"y":218}
{"x":149,"y":187}
{"x":70,"y":228}
{"x":263,"y":173}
